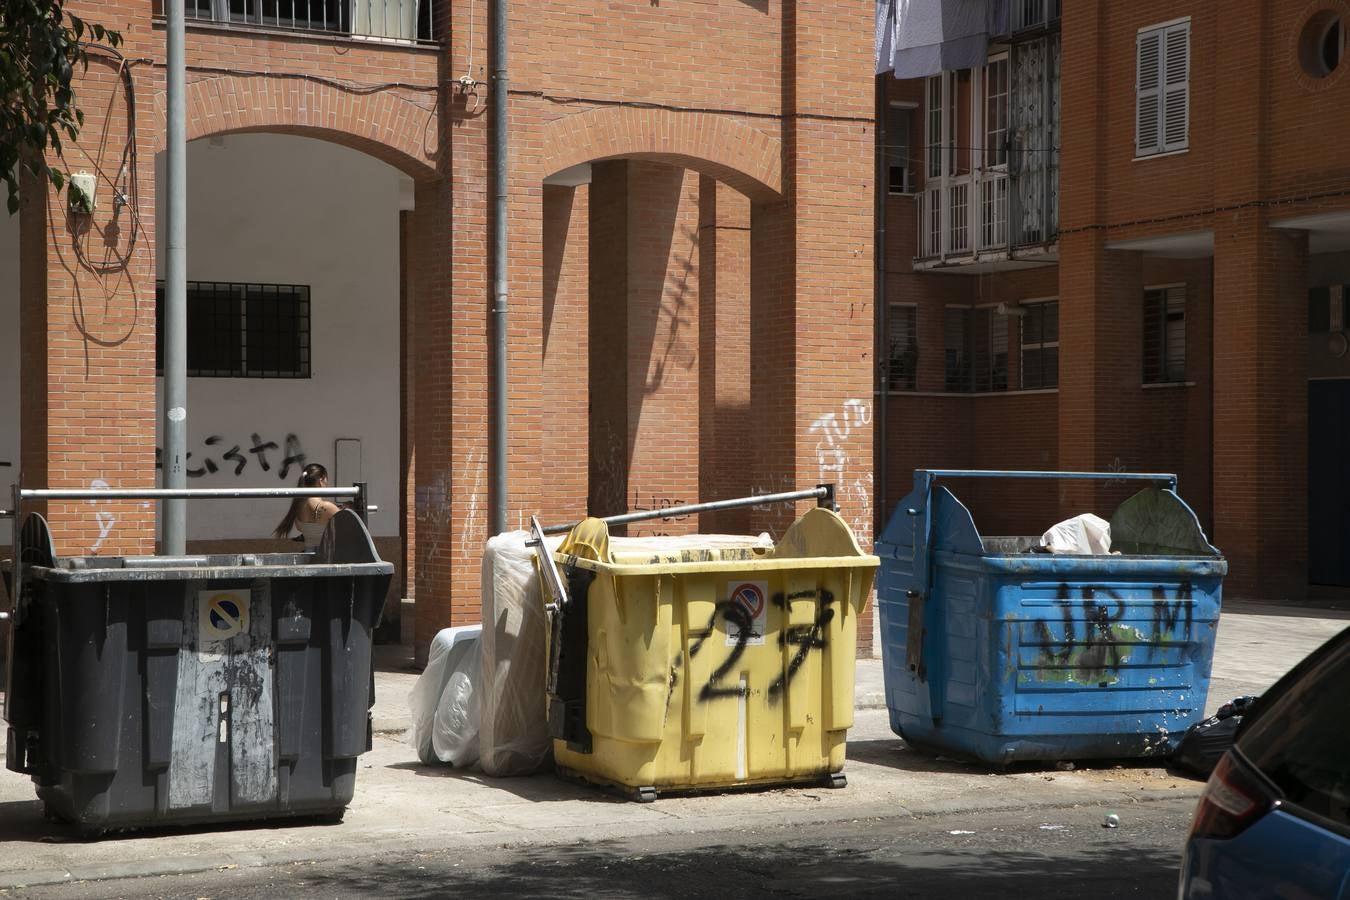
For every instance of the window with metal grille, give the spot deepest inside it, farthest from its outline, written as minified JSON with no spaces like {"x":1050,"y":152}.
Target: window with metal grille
{"x":1165,"y":334}
{"x":976,"y":344}
{"x":237,"y":330}
{"x":1040,"y":345}
{"x":399,"y":19}
{"x":902,"y":347}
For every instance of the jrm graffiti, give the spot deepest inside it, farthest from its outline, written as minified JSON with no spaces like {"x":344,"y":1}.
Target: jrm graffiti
{"x":1097,"y":634}
{"x":237,"y":457}
{"x":737,"y":618}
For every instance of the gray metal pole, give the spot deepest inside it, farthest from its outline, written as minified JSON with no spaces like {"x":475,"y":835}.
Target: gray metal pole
{"x":173,"y":513}
{"x":881,"y":464}
{"x":497,"y":475}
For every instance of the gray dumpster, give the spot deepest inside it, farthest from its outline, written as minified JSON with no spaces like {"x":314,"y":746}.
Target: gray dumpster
{"x":165,"y":690}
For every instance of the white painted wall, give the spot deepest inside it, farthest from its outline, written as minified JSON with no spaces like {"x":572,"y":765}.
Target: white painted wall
{"x":9,"y":360}
{"x":289,"y":210}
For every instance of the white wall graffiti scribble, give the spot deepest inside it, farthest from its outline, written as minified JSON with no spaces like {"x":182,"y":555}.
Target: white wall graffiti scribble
{"x":853,"y":493}
{"x":105,"y":519}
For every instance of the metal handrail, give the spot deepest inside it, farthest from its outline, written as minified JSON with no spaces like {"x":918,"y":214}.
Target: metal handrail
{"x":357,"y":492}
{"x":1166,"y":477}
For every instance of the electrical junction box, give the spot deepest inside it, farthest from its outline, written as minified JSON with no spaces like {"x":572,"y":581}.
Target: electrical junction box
{"x":82,"y":193}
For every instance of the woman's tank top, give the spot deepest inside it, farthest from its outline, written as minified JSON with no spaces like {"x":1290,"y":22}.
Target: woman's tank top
{"x":312,"y":532}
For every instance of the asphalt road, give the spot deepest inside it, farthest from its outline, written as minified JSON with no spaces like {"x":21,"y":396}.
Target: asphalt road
{"x":1060,"y":852}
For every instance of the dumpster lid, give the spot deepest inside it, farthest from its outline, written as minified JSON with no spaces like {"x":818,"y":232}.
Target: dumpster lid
{"x":817,"y":539}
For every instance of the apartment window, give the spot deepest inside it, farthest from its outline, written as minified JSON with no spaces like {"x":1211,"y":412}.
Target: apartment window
{"x":934,"y":133}
{"x":1162,"y":88}
{"x":899,"y":138}
{"x":996,"y":112}
{"x":1033,"y":13}
{"x":976,"y":344}
{"x":239,"y":330}
{"x":902,"y":346}
{"x":1328,"y":309}
{"x":1165,"y":334}
{"x":956,"y":343}
{"x":1040,"y":345}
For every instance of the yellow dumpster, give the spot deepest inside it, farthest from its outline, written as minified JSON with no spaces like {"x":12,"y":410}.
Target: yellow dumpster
{"x":707,"y":668}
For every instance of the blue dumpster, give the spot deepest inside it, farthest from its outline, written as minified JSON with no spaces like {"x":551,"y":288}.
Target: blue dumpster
{"x":995,"y":651}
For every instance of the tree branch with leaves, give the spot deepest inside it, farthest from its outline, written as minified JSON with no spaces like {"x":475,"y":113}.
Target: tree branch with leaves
{"x":41,"y":47}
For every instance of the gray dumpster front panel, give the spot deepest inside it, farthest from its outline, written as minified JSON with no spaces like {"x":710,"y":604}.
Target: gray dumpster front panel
{"x":217,"y":688}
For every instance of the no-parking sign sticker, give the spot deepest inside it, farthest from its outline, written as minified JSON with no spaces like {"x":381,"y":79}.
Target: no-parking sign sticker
{"x":745,"y":615}
{"x":222,"y":615}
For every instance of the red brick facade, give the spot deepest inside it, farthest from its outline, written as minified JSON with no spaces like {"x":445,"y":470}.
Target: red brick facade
{"x":1213,"y":219}
{"x":733,"y":129}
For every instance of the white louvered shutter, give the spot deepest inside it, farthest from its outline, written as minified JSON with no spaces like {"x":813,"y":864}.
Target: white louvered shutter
{"x":1176,"y":113}
{"x":1148,"y":96}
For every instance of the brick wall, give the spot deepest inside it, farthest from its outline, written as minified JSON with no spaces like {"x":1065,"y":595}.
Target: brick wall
{"x":765,"y":99}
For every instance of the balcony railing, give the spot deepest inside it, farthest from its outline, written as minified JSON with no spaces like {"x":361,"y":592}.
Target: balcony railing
{"x":965,"y":216}
{"x":407,"y":20}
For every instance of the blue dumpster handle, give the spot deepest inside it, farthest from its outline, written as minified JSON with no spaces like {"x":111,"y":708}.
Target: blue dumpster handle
{"x":1169,"y":479}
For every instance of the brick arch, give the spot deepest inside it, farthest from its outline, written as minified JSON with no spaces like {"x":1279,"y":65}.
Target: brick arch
{"x":396,"y":127}
{"x":743,"y":157}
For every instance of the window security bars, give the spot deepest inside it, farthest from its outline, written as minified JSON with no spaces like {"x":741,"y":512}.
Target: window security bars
{"x":242,"y":330}
{"x":389,"y":19}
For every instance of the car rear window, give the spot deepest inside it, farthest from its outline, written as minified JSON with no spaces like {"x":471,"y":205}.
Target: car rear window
{"x":1301,"y":742}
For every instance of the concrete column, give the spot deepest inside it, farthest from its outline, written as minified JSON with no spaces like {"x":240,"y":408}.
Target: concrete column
{"x":1260,"y":406}
{"x":1100,"y":369}
{"x":724,"y":353}
{"x":645,"y":340}
{"x":608,"y":339}
{"x":87,"y":323}
{"x":564,"y":374}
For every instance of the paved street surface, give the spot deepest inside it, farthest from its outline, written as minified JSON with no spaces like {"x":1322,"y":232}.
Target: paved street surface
{"x":537,"y":835}
{"x":1051,"y":852}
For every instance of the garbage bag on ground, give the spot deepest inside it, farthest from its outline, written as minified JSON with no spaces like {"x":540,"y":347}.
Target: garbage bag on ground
{"x":1086,"y":535}
{"x":1205,"y":742}
{"x":514,"y":737}
{"x":445,"y":702}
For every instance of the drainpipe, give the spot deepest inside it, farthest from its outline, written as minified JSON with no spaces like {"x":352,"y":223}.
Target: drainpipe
{"x":497,"y":469}
{"x":173,"y":513}
{"x":881,"y":465}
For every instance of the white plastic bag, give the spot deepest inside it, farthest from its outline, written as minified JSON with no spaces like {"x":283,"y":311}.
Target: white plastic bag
{"x":1085,"y":535}
{"x":445,"y":701}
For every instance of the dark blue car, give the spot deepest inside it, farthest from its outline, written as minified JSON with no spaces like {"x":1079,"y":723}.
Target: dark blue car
{"x":1274,"y":819}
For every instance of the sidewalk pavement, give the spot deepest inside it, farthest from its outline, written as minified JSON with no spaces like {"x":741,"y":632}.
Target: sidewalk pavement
{"x":402,"y":806}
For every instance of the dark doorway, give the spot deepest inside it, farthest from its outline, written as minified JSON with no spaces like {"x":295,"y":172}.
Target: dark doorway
{"x":1329,"y":482}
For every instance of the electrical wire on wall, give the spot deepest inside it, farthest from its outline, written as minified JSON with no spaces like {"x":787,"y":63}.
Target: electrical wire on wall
{"x":113,"y":267}
{"x":125,"y":187}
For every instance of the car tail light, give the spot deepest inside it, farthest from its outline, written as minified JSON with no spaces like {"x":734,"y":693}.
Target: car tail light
{"x":1234,"y":798}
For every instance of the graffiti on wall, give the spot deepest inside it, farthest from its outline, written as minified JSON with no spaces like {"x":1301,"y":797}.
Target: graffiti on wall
{"x":286,"y":458}
{"x":104,"y":519}
{"x":834,"y":431}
